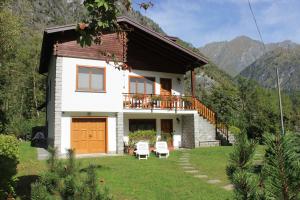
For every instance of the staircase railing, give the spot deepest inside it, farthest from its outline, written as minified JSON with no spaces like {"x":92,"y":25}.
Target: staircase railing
{"x":204,"y":111}
{"x":211,"y":116}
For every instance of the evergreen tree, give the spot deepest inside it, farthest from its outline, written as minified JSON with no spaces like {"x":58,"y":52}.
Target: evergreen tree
{"x":279,"y":178}
{"x":240,"y":169}
{"x":281,"y":170}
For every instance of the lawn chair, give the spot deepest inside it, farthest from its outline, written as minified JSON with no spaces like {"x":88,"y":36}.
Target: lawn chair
{"x":142,"y":150}
{"x":161,"y":149}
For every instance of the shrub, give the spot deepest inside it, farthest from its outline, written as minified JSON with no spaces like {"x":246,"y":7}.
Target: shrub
{"x":66,"y":180}
{"x":142,"y":135}
{"x":234,"y":130}
{"x":9,"y":159}
{"x":91,"y":189}
{"x":39,"y":191}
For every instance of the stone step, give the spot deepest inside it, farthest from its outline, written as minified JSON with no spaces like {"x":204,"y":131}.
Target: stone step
{"x":211,"y":143}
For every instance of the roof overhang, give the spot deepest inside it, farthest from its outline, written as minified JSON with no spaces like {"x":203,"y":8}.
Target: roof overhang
{"x":54,"y":34}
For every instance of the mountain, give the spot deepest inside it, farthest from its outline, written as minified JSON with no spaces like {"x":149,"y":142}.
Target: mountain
{"x":235,"y":55}
{"x":288,"y":62}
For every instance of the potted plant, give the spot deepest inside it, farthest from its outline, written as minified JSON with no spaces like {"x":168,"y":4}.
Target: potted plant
{"x":141,"y":135}
{"x":155,"y":99}
{"x":138,"y":96}
{"x":188,"y":102}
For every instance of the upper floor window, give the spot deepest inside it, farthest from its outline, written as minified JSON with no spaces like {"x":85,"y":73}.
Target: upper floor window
{"x":90,"y":79}
{"x":141,"y":85}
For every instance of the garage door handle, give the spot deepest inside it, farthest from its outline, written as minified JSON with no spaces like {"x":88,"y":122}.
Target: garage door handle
{"x":90,"y":135}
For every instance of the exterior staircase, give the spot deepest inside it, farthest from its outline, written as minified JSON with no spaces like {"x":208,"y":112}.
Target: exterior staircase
{"x":222,"y":132}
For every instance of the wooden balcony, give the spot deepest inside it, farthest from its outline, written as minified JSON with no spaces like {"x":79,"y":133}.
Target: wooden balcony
{"x":152,"y":101}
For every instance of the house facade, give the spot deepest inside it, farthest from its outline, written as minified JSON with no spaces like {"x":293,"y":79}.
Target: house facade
{"x":95,"y":100}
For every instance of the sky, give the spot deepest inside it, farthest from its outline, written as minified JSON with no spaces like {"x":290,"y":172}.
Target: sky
{"x":203,"y":21}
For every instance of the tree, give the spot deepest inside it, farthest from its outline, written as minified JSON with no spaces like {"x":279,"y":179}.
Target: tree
{"x":281,"y":170}
{"x":277,"y":178}
{"x":240,"y":169}
{"x":225,"y":102}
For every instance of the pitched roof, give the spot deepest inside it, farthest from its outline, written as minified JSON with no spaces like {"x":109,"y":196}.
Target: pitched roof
{"x":52,"y":34}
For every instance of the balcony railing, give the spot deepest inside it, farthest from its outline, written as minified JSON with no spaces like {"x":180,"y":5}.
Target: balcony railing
{"x":152,"y":101}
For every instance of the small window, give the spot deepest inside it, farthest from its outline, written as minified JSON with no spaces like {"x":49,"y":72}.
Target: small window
{"x":142,"y":124}
{"x":141,"y":85}
{"x":90,"y":79}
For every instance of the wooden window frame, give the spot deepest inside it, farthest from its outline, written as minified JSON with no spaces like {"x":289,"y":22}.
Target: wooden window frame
{"x":90,"y":89}
{"x":141,"y":77}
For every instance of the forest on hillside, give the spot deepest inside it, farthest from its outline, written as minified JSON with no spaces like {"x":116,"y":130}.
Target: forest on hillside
{"x":240,"y":103}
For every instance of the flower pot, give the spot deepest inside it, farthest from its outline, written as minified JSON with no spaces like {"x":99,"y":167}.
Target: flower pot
{"x":130,"y":151}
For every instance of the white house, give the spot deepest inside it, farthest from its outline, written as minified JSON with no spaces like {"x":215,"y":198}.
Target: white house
{"x":95,"y":100}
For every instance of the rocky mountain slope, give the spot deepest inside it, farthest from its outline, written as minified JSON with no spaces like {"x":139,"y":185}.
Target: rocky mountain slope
{"x":235,"y":55}
{"x":288,"y":62}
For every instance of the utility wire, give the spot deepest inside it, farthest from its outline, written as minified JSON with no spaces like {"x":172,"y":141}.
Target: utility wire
{"x":256,"y":24}
{"x":276,"y":67}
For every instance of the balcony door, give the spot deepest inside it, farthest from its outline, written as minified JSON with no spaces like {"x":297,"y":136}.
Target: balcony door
{"x":167,"y":131}
{"x":165,"y":86}
{"x":166,"y":92}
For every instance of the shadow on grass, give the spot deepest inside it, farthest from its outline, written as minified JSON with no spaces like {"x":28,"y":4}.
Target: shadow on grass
{"x":23,"y":188}
{"x":85,"y":169}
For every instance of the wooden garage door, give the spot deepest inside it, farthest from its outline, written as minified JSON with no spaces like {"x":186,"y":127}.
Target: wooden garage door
{"x":88,"y":135}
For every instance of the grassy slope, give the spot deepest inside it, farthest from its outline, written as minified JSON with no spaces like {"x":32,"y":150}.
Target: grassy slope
{"x":129,"y":178}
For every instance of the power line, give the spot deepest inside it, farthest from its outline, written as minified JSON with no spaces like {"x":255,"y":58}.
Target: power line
{"x":256,"y":24}
{"x":276,"y":67}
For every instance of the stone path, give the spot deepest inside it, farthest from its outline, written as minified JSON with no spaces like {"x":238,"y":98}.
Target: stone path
{"x":184,"y":163}
{"x":42,"y":154}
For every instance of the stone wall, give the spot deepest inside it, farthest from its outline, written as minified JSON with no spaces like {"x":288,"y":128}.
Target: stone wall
{"x":57,"y":104}
{"x":188,"y":139}
{"x":120,"y":132}
{"x":204,"y":130}
{"x":196,"y":130}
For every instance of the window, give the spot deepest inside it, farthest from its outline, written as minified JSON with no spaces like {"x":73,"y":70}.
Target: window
{"x":90,"y":79}
{"x":141,"y":85}
{"x":142,"y":124}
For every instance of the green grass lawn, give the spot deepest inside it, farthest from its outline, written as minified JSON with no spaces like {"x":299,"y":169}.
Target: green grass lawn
{"x":130,"y":178}
{"x":212,"y":162}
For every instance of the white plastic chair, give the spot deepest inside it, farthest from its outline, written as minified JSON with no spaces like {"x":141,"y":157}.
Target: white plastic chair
{"x":161,"y":149}
{"x":142,"y":150}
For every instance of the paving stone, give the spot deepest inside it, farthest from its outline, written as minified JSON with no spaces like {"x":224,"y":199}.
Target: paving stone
{"x":183,"y":160}
{"x":201,"y":176}
{"x":192,"y":171}
{"x":185,"y":164}
{"x":228,"y":187}
{"x":213,"y":181}
{"x":188,"y":167}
